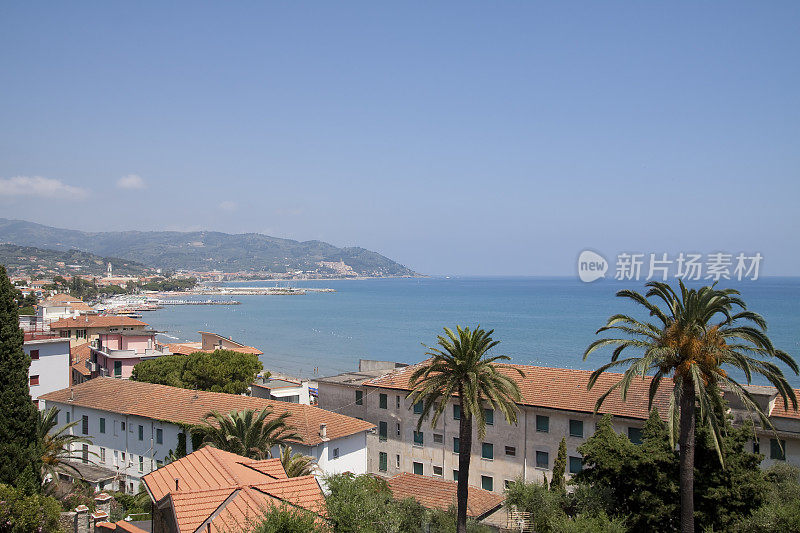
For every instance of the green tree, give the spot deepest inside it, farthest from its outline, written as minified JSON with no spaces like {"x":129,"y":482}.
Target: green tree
{"x":544,"y":506}
{"x":287,"y":519}
{"x":218,"y":371}
{"x":460,"y":365}
{"x":21,"y":461}
{"x":558,"y":482}
{"x":249,"y":433}
{"x":161,"y":371}
{"x":781,"y":511}
{"x":360,"y":504}
{"x":57,"y":443}
{"x":24,"y":513}
{"x":698,"y":333}
{"x":296,"y":464}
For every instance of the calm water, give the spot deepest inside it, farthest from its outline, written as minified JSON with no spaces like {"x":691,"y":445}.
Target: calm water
{"x":539,"y":321}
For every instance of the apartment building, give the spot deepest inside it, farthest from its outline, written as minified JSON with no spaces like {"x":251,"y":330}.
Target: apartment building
{"x":134,"y":426}
{"x":555,"y":404}
{"x":87,"y":328}
{"x":50,"y":364}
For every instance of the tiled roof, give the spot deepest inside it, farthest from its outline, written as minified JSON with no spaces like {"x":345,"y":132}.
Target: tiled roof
{"x":185,"y":406}
{"x":781,"y":410}
{"x":228,"y":490}
{"x":96,"y":322}
{"x":239,"y":347}
{"x":60,"y":298}
{"x":441,"y":494}
{"x":79,"y":355}
{"x":562,"y":388}
{"x":122,"y":525}
{"x":186,"y":348}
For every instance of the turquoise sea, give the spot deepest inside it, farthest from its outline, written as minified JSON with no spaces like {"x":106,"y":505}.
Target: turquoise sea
{"x":539,"y":321}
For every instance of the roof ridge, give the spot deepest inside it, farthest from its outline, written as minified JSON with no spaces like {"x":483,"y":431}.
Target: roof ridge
{"x":213,"y":451}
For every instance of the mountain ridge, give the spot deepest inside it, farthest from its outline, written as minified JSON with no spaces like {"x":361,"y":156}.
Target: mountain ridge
{"x":207,"y":250}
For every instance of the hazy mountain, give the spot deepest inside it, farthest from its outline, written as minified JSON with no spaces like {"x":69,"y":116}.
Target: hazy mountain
{"x":31,"y":260}
{"x":203,"y":250}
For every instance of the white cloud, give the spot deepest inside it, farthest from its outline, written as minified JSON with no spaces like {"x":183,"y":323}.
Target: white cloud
{"x":228,"y":205}
{"x":131,"y":181}
{"x":39,"y":186}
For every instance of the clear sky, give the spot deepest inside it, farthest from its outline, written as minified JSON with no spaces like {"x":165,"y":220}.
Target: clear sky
{"x":455,"y":137}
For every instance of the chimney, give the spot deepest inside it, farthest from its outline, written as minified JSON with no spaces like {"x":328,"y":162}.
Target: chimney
{"x":103,"y":502}
{"x":323,"y":431}
{"x":176,"y":484}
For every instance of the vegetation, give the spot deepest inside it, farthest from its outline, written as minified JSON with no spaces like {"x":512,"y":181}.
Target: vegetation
{"x":168,"y":284}
{"x":248,"y":433}
{"x":781,"y":510}
{"x":56,"y":444}
{"x":21,"y":455}
{"x":460,"y":365}
{"x":219,"y":371}
{"x":25,"y":303}
{"x":28,"y":259}
{"x":698,"y":332}
{"x":296,"y":464}
{"x":287,"y":519}
{"x":558,"y":483}
{"x":21,"y":512}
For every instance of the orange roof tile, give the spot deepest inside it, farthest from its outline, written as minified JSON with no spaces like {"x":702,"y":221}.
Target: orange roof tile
{"x":441,"y":494}
{"x":227,"y":491}
{"x":561,"y":388}
{"x":98,"y":321}
{"x":185,"y":406}
{"x":79,"y":355}
{"x":186,"y":348}
{"x":781,"y":410}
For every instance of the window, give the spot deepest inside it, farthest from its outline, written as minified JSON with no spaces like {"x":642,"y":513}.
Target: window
{"x":382,"y":462}
{"x":437,"y":471}
{"x":419,"y":438}
{"x":122,"y":426}
{"x":141,"y":432}
{"x":542,"y":459}
{"x":35,"y":380}
{"x":64,"y":333}
{"x":382,"y":401}
{"x":102,"y":425}
{"x":575,"y":465}
{"x":418,"y":468}
{"x":55,"y":417}
{"x":455,"y":475}
{"x":398,"y":429}
{"x":102,"y":455}
{"x":488,"y":414}
{"x":456,"y":446}
{"x":359,"y":397}
{"x":117,"y":369}
{"x":85,"y":453}
{"x":159,"y":463}
{"x":336,"y":453}
{"x":542,"y":424}
{"x":487,"y":483}
{"x":67,"y":417}
{"x":397,"y":402}
{"x":80,"y":333}
{"x":777,"y":449}
{"x":576,"y":428}
{"x":511,"y":450}
{"x":123,"y":458}
{"x":756,"y":446}
{"x":159,"y":436}
{"x":635,"y":435}
{"x":456,"y":412}
{"x":141,"y":464}
{"x":418,"y":408}
{"x":34,"y":354}
{"x":438,"y":438}
{"x":397,"y":460}
{"x":85,"y":425}
{"x":383,"y":431}
{"x":487,"y":450}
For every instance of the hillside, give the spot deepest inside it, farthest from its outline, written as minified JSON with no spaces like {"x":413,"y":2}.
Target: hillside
{"x":32,"y":260}
{"x":204,"y":250}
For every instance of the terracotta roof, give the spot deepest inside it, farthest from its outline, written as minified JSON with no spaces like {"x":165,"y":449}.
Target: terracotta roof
{"x":65,"y":300}
{"x":185,"y":406}
{"x":186,"y":348}
{"x":243,"y":348}
{"x":441,"y":494}
{"x":781,"y":410}
{"x":122,"y":525}
{"x":60,"y":298}
{"x":228,"y":490}
{"x":79,"y":355}
{"x":562,"y":388}
{"x":96,"y":322}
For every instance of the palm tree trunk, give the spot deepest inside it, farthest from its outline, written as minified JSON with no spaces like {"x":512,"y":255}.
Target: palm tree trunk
{"x":686,"y":442}
{"x":464,"y":456}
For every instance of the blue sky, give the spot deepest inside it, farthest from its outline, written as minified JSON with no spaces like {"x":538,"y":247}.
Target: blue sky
{"x":455,"y":137}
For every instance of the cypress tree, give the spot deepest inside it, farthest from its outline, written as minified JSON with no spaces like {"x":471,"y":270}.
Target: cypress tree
{"x":20,"y":465}
{"x":558,"y":483}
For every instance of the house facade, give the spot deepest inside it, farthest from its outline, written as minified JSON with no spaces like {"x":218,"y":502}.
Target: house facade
{"x":555,"y":404}
{"x":134,"y":426}
{"x":50,"y":364}
{"x":87,"y":328}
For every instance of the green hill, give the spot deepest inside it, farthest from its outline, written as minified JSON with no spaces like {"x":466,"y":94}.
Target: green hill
{"x":32,"y":260}
{"x":204,"y":250}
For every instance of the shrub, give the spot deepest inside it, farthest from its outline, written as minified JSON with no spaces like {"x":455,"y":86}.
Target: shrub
{"x":23,"y":514}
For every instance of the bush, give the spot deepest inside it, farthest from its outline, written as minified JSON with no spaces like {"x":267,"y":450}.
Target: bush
{"x":781,"y":512}
{"x":286,"y":519}
{"x":24,"y":514}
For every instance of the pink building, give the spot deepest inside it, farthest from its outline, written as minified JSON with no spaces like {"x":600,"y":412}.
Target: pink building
{"x":115,"y":354}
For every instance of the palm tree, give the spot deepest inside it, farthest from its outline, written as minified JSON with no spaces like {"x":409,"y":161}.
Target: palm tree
{"x":57,"y":443}
{"x":296,"y":464}
{"x":460,"y":366}
{"x":247,"y":432}
{"x":698,"y":332}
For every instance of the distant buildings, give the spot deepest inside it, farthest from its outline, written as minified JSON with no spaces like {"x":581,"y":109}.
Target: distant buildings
{"x":134,"y":426}
{"x":61,"y":306}
{"x":210,"y":342}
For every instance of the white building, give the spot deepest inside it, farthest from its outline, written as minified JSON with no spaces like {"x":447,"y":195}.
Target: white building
{"x":134,"y":426}
{"x":50,"y":364}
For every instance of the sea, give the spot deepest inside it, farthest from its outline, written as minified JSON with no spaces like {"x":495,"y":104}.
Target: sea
{"x":538,"y":321}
